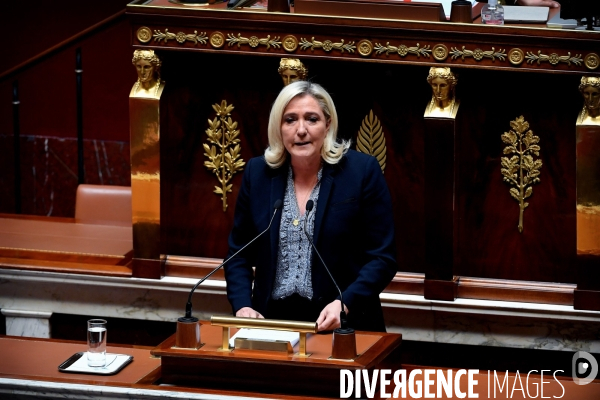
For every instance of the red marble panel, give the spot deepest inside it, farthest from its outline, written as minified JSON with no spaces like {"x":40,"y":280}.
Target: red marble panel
{"x":49,"y":172}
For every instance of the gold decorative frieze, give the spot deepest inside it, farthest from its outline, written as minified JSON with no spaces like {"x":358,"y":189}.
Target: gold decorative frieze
{"x":370,"y":139}
{"x":591,"y":61}
{"x":365,"y":47}
{"x":327,"y":45}
{"x":516,"y":56}
{"x":290,"y":43}
{"x":217,"y":40}
{"x":521,"y":170}
{"x":440,"y":52}
{"x":223,"y":149}
{"x":253,"y":41}
{"x":144,"y":34}
{"x":180,"y":37}
{"x":478,"y":54}
{"x":403,"y":50}
{"x":553,"y":58}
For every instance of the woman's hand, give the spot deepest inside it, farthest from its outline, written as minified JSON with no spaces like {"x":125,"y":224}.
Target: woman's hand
{"x":547,"y":3}
{"x":329,"y":319}
{"x":248,"y":312}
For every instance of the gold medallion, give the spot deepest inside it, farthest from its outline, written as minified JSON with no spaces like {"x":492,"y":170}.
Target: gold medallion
{"x":440,"y":52}
{"x":144,"y":34}
{"x":217,"y":40}
{"x":290,"y":43}
{"x":591,"y":61}
{"x":365,"y":48}
{"x":516,"y":56}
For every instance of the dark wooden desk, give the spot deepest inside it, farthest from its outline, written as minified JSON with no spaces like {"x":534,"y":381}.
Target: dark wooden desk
{"x":280,"y":372}
{"x":28,"y":369}
{"x":62,"y":245}
{"x":38,"y":359}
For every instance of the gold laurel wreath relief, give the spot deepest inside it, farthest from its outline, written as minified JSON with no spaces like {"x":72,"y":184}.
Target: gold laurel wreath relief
{"x":521,"y":170}
{"x":371,"y":140}
{"x":180,"y":37}
{"x":477,"y":54}
{"x":553,"y":58}
{"x":223,"y":149}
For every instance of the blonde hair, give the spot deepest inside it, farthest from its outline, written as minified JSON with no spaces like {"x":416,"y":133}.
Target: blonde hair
{"x":332,"y":150}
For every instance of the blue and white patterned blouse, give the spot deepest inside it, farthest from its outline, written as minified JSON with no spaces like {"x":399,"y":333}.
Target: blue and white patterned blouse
{"x":294,"y":257}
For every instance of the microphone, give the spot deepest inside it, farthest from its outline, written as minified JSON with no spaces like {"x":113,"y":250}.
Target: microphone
{"x":343,"y":322}
{"x":344,"y":338}
{"x":188,"y":306}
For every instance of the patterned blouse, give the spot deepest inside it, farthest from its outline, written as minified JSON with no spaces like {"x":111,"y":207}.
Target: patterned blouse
{"x":294,"y":257}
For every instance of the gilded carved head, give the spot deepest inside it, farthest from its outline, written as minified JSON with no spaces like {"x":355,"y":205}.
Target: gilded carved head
{"x":147,"y":65}
{"x":442,"y":81}
{"x":590,"y":89}
{"x":292,"y":70}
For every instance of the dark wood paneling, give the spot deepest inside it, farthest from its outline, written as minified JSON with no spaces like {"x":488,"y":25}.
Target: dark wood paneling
{"x":489,"y":244}
{"x":150,"y":269}
{"x":193,"y":221}
{"x":122,"y":331}
{"x":493,"y":92}
{"x":439,"y":203}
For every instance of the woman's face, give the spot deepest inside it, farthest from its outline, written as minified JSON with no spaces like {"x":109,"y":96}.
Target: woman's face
{"x":591,"y":96}
{"x":145,"y":70}
{"x":441,"y":88}
{"x":303,"y":128}
{"x":288,"y":76}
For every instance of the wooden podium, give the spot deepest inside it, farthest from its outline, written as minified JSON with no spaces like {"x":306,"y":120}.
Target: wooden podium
{"x":272,"y":372}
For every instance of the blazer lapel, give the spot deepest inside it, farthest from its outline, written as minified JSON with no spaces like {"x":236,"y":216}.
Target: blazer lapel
{"x":324,"y":191}
{"x":277,"y":193}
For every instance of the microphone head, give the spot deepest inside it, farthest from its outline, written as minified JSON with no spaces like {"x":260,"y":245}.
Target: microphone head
{"x":309,"y":205}
{"x":277,"y":204}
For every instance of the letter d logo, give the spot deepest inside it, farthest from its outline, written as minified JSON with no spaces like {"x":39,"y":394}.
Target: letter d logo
{"x":584,"y":368}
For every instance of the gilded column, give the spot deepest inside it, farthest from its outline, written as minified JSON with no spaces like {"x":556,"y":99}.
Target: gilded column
{"x":440,"y":148}
{"x":587,"y":294}
{"x":144,"y":120}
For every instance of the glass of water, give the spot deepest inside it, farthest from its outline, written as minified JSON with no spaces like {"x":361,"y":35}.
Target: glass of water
{"x":96,"y":339}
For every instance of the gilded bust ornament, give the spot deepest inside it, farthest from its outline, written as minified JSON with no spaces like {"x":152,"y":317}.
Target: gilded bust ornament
{"x":147,"y":66}
{"x":292,"y":70}
{"x":443,"y":102}
{"x":590,"y":89}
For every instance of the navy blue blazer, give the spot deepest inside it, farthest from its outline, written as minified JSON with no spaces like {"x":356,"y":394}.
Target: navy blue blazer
{"x":354,"y":233}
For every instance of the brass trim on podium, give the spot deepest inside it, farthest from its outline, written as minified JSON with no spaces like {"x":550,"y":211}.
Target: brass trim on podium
{"x":254,"y":323}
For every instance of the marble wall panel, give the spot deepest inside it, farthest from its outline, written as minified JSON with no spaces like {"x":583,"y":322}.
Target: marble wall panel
{"x":49,"y":173}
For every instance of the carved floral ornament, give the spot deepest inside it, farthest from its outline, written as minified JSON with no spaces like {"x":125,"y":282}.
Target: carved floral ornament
{"x":521,"y":170}
{"x":369,"y":48}
{"x":223,"y":149}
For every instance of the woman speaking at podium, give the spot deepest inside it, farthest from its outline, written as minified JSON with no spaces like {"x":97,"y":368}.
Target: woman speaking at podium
{"x":351,"y":222}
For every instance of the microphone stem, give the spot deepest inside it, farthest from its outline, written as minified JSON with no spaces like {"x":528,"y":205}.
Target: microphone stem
{"x":309,"y":207}
{"x":188,"y":306}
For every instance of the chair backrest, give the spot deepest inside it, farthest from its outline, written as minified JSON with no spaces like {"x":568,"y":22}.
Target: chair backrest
{"x":103,"y":205}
